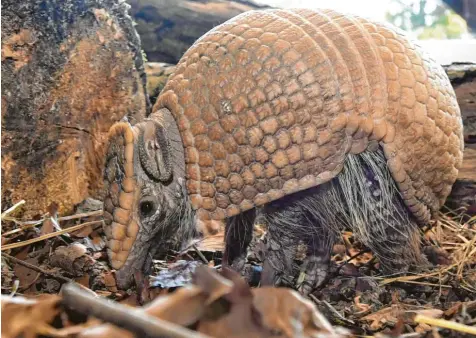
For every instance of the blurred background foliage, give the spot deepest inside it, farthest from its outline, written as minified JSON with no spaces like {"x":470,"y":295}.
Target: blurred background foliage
{"x":427,"y":19}
{"x":167,"y":28}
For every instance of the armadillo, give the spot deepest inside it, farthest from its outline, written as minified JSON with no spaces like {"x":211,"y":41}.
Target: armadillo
{"x":315,"y":119}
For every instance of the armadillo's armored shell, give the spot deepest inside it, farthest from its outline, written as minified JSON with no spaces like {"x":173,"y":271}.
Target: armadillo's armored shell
{"x":120,"y":226}
{"x":270,"y":102}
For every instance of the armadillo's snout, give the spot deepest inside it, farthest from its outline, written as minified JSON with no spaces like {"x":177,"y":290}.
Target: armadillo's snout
{"x":138,"y":169}
{"x":138,"y":262}
{"x":121,"y":193}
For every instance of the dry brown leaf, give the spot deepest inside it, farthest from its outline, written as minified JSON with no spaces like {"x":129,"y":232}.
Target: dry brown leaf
{"x":84,"y":232}
{"x":110,"y":281}
{"x":214,"y":285}
{"x":183,"y":307}
{"x":455,"y":309}
{"x":432,"y":313}
{"x":28,"y":317}
{"x":287,"y":311}
{"x":422,"y":328}
{"x":225,"y":306}
{"x":83,"y":280}
{"x":48,"y":224}
{"x":386,"y":315}
{"x":26,"y":276}
{"x":73,"y":258}
{"x":362,"y":307}
{"x":396,"y":312}
{"x":266,"y":312}
{"x":47,"y":227}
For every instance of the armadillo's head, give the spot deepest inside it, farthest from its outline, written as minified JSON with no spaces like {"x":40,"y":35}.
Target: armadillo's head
{"x":145,"y":207}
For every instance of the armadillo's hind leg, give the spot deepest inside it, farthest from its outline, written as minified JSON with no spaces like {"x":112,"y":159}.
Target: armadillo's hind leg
{"x":238,"y":235}
{"x":377,"y":213}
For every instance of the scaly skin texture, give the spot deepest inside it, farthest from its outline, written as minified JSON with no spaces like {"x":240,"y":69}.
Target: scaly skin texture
{"x":271,"y":102}
{"x":275,"y":102}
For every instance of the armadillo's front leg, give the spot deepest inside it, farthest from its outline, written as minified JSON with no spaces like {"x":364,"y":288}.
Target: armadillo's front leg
{"x":238,"y":235}
{"x":280,"y":251}
{"x":280,"y":242}
{"x":315,"y":267}
{"x":293,"y":220}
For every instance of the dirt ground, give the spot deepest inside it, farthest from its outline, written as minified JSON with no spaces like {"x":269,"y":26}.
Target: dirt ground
{"x":40,"y":257}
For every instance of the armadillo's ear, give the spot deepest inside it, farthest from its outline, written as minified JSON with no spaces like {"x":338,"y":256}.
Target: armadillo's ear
{"x":154,"y":151}
{"x":120,"y":193}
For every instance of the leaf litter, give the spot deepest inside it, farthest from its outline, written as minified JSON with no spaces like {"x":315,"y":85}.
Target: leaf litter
{"x":51,"y":264}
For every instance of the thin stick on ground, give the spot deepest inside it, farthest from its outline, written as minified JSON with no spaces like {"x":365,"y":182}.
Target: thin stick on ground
{"x":12,"y":208}
{"x":332,"y":309}
{"x":200,"y":254}
{"x":415,"y":277}
{"x":29,"y":224}
{"x":136,"y":321}
{"x":465,"y":258}
{"x":82,"y":215}
{"x":446,"y":324}
{"x":50,"y":235}
{"x":36,"y":268}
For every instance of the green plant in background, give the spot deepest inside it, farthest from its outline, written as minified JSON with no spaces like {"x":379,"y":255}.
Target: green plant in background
{"x":427,"y":19}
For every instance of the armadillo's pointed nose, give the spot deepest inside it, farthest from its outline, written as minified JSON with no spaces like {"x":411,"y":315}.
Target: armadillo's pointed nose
{"x":138,"y":263}
{"x":124,"y":278}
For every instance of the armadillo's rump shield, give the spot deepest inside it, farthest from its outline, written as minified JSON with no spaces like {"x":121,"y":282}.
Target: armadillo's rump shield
{"x":271,"y":102}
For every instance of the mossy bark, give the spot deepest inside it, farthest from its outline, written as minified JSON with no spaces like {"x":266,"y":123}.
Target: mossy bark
{"x":70,"y":69}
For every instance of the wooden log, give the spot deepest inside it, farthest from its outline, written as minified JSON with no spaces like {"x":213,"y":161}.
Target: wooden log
{"x":157,"y":75}
{"x":463,"y":79}
{"x":70,"y":69}
{"x":169,"y":27}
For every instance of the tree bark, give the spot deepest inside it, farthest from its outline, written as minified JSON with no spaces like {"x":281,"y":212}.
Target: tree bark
{"x":70,"y":69}
{"x":463,"y":79}
{"x":169,"y":27}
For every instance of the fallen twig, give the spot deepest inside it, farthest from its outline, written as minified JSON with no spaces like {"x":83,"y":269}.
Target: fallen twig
{"x":200,"y":254}
{"x":12,"y":208}
{"x":50,"y":235}
{"x":427,"y":284}
{"x":136,"y":321}
{"x":36,"y":268}
{"x":421,"y":319}
{"x":464,"y":259}
{"x":415,"y":277}
{"x":332,"y":309}
{"x":29,"y":224}
{"x":83,"y":215}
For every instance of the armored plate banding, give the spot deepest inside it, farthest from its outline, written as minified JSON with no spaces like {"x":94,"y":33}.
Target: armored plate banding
{"x":271,"y":102}
{"x":120,"y":227}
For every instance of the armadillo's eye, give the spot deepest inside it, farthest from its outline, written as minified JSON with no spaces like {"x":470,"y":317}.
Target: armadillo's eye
{"x":147,"y":208}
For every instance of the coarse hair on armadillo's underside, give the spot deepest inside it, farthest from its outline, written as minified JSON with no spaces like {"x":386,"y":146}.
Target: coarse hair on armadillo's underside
{"x":363,"y":198}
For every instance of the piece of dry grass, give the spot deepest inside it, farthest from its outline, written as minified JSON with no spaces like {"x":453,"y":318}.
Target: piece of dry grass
{"x":24,"y":225}
{"x":446,"y":324}
{"x":457,"y":234}
{"x":50,"y":235}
